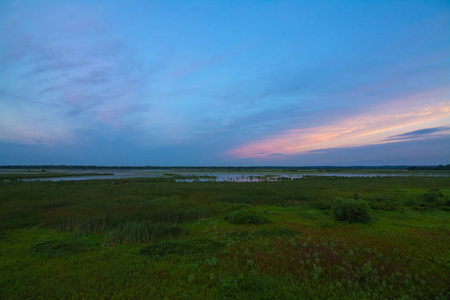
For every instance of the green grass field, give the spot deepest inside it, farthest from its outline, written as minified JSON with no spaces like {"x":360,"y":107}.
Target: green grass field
{"x":154,"y":239}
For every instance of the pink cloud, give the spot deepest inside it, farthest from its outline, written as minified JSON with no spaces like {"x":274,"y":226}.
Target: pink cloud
{"x":373,"y":127}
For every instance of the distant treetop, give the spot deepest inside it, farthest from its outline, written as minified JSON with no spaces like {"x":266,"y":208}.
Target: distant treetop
{"x":426,"y":168}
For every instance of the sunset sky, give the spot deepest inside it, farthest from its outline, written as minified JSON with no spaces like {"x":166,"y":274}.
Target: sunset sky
{"x":225,"y":83}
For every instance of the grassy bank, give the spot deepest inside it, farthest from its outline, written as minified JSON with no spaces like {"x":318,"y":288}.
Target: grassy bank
{"x":149,"y":238}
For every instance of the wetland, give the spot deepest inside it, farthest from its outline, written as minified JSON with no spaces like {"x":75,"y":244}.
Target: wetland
{"x":156,"y":237}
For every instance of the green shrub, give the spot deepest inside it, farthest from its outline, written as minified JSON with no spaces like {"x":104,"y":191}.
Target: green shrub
{"x":246,"y":217}
{"x":411,"y":202}
{"x":351,"y":210}
{"x":433,"y":196}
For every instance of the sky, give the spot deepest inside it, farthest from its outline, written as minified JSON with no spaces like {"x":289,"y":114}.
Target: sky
{"x":225,"y":83}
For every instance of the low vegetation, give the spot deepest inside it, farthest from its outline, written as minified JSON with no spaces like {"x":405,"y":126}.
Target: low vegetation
{"x":247,"y":217}
{"x":351,"y":210}
{"x":155,"y":238}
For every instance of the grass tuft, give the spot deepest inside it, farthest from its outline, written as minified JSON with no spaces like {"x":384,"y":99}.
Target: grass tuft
{"x":246,"y":217}
{"x":59,"y":247}
{"x":174,"y":248}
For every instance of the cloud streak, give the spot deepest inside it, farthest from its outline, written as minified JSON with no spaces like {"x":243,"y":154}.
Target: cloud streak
{"x":373,"y":127}
{"x":420,"y":134}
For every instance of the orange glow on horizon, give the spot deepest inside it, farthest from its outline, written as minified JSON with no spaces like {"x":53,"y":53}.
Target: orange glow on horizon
{"x":365,"y":129}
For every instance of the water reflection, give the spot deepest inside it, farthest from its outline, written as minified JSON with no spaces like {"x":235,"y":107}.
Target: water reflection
{"x":224,"y":177}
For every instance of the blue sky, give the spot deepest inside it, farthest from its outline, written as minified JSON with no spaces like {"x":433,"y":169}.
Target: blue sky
{"x":225,"y":82}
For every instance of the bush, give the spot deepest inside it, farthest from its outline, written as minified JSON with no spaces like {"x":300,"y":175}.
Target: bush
{"x":411,"y":202}
{"x":246,"y":217}
{"x":433,"y":196}
{"x":351,"y":210}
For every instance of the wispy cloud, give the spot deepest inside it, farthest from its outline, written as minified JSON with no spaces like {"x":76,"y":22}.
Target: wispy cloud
{"x":275,"y":154}
{"x":420,"y":134}
{"x":75,"y":66}
{"x":431,"y":151}
{"x":375,"y":126}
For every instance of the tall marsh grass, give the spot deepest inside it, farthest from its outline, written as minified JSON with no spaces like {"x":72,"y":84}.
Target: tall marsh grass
{"x":51,"y":237}
{"x":134,"y":220}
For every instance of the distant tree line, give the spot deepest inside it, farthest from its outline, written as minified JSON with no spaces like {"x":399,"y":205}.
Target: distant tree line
{"x":428,"y":168}
{"x":227,"y":168}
